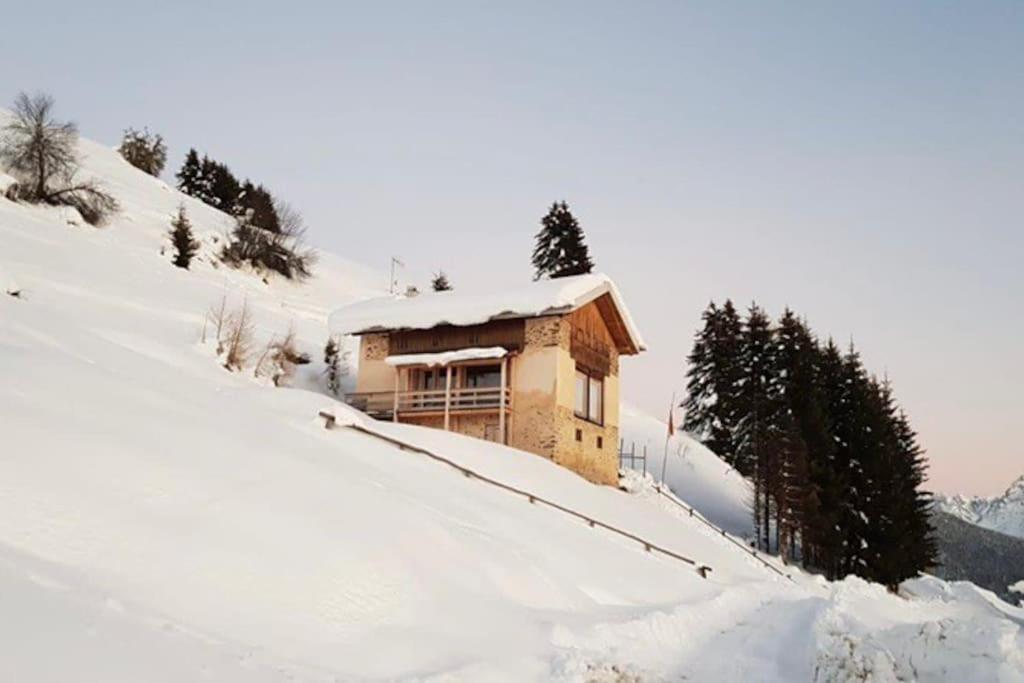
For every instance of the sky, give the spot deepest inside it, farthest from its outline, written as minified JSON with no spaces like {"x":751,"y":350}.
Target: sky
{"x":861,"y":164}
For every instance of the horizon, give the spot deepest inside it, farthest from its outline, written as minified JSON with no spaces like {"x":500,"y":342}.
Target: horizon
{"x":750,"y":155}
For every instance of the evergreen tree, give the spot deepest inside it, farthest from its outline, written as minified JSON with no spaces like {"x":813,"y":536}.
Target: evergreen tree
{"x":185,"y":244}
{"x":912,"y":517}
{"x":713,"y":377}
{"x":332,"y":361}
{"x":190,"y":175}
{"x":810,"y":456}
{"x":258,"y":202}
{"x":440,"y":282}
{"x":222,"y":189}
{"x":560,"y":249}
{"x":762,"y":433}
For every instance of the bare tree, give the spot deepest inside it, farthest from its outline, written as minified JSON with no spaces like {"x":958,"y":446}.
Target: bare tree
{"x":40,"y":153}
{"x":293,"y":237}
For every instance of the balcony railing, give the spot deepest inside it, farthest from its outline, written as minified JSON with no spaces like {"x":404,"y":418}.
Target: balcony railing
{"x":429,"y":401}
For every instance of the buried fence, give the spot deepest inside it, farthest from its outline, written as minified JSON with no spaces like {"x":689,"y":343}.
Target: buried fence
{"x":702,"y":570}
{"x":629,"y":456}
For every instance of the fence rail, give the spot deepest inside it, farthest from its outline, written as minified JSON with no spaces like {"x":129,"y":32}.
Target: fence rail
{"x":533,"y":498}
{"x":429,"y":400}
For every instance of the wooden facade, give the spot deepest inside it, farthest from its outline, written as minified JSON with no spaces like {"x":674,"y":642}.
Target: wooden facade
{"x":505,"y":333}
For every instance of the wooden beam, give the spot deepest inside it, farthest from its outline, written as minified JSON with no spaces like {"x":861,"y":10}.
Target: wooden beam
{"x":447,"y":397}
{"x":501,"y":402}
{"x":394,"y":409}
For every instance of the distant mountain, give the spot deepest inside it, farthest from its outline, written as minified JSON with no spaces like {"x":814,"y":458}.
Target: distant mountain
{"x":968,"y":552}
{"x":1003,"y":513}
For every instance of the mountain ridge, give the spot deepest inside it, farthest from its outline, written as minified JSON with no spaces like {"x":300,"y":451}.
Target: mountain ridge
{"x":1003,"y":513}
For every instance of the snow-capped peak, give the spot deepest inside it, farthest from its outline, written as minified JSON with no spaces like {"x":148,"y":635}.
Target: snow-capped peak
{"x":1004,"y":513}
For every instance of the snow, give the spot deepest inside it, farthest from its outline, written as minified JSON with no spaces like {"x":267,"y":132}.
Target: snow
{"x":424,"y":311}
{"x":447,"y":357}
{"x":692,"y":471}
{"x":1003,"y":513}
{"x":164,"y":519}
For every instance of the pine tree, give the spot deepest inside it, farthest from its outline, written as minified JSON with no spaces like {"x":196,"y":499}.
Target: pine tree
{"x":912,"y":524}
{"x":560,"y":249}
{"x":222,"y":188}
{"x":440,"y":282}
{"x":258,"y":202}
{"x":760,"y":436}
{"x":190,"y":175}
{"x":185,"y":244}
{"x":332,"y":361}
{"x":713,"y":376}
{"x":810,"y":458}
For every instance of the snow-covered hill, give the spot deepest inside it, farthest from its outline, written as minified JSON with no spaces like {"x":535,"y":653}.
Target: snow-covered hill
{"x":164,"y":519}
{"x":1004,"y":513}
{"x":691,"y":471}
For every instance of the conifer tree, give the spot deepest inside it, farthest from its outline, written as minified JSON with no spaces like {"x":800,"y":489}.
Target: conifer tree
{"x":258,"y":202}
{"x":760,"y":434}
{"x":811,"y":456}
{"x":332,"y":361}
{"x":222,"y":189}
{"x":713,"y":377}
{"x":560,"y":249}
{"x":440,"y":282}
{"x":190,"y":175}
{"x":185,"y":244}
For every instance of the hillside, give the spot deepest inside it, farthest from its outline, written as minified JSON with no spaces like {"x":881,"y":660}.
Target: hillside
{"x":164,"y":519}
{"x":691,"y":470}
{"x":971,"y":553}
{"x":1003,"y":513}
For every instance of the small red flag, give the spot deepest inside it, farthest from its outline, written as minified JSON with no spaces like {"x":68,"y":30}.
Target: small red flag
{"x":671,"y":422}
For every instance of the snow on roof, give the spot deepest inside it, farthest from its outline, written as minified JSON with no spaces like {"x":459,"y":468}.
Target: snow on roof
{"x":447,"y":357}
{"x":422,"y":312}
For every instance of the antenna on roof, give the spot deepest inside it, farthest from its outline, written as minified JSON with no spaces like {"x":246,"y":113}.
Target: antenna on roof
{"x":394,"y":283}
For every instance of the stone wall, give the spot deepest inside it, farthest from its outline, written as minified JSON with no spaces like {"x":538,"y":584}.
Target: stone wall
{"x":598,"y":463}
{"x":374,"y":346}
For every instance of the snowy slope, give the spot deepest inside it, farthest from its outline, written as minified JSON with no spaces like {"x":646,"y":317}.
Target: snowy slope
{"x":692,"y":471}
{"x":1004,"y":513}
{"x":163,"y":519}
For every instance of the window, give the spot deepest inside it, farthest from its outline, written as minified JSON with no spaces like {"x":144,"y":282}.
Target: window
{"x":596,"y":412}
{"x":581,"y":394}
{"x":600,"y":442}
{"x":483,"y":376}
{"x":589,"y":403}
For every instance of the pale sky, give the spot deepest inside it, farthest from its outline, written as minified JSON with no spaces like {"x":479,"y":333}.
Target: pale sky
{"x":862,"y":164}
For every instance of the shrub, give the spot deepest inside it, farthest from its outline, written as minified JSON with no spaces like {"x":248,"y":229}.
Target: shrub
{"x":144,"y":150}
{"x":281,"y":252}
{"x":279,"y":359}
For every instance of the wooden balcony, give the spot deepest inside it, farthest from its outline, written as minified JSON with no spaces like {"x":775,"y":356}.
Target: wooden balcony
{"x":382,"y":404}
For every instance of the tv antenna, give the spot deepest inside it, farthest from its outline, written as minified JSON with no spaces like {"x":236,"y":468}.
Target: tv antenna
{"x":394,"y":282}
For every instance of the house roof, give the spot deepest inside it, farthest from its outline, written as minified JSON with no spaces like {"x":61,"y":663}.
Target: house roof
{"x":543,"y":297}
